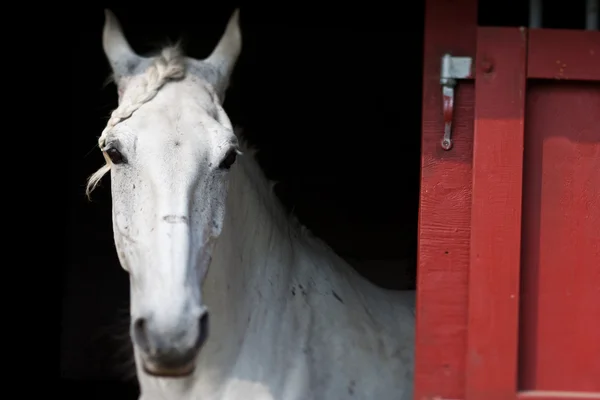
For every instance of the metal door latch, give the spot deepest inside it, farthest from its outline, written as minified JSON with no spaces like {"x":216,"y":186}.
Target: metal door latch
{"x":453,"y":69}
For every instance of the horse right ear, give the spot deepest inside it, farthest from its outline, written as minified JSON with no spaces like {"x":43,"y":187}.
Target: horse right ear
{"x":123,"y":60}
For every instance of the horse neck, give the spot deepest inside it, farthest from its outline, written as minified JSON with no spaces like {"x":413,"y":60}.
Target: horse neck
{"x":253,"y":261}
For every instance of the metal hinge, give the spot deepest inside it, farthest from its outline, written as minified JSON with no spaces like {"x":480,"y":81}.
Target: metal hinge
{"x":453,"y":69}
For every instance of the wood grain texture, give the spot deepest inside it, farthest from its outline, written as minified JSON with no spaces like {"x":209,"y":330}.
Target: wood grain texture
{"x":444,"y":215}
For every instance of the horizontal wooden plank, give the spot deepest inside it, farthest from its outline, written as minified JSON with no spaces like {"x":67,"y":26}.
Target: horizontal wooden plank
{"x":564,"y":54}
{"x":556,"y":395}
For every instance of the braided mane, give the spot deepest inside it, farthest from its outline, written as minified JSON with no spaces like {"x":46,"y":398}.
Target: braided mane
{"x":169,"y":65}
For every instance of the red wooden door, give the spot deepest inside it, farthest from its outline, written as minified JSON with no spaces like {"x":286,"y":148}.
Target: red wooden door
{"x":534,"y":280}
{"x":509,"y":236}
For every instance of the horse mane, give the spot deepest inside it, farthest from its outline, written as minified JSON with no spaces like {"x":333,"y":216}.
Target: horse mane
{"x":168,"y":65}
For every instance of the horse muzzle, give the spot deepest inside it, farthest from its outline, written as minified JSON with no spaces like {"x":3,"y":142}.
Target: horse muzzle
{"x":171,"y":353}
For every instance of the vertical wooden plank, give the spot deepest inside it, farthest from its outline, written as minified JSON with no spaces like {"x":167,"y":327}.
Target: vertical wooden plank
{"x":492,"y":348}
{"x":444,"y":214}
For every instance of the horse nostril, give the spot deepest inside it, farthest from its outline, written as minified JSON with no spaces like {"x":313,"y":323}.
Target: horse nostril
{"x":203,"y":329}
{"x":140,"y":334}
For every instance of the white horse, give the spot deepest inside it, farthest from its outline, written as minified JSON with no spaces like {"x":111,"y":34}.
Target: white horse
{"x":201,"y":234}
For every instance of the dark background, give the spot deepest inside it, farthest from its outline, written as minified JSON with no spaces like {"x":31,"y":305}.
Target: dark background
{"x":331,"y":97}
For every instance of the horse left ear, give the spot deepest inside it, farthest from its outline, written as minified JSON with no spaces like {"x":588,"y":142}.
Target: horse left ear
{"x":224,"y":57}
{"x":123,"y":60}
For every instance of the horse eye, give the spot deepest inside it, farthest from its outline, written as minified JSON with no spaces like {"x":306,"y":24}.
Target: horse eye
{"x":115,"y":156}
{"x":228,"y":160}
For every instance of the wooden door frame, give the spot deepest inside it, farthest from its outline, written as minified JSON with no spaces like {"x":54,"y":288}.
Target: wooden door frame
{"x":444,"y":208}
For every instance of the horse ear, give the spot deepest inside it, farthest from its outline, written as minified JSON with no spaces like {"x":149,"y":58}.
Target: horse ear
{"x":123,"y":60}
{"x":224,"y":57}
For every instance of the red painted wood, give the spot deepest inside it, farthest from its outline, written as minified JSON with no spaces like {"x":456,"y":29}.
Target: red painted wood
{"x":560,"y":310}
{"x":496,"y":214}
{"x":445,"y":202}
{"x":564,"y":54}
{"x":550,"y":395}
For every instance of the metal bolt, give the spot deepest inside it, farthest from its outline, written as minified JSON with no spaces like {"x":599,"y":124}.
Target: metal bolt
{"x":446,"y":144}
{"x":487,"y":66}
